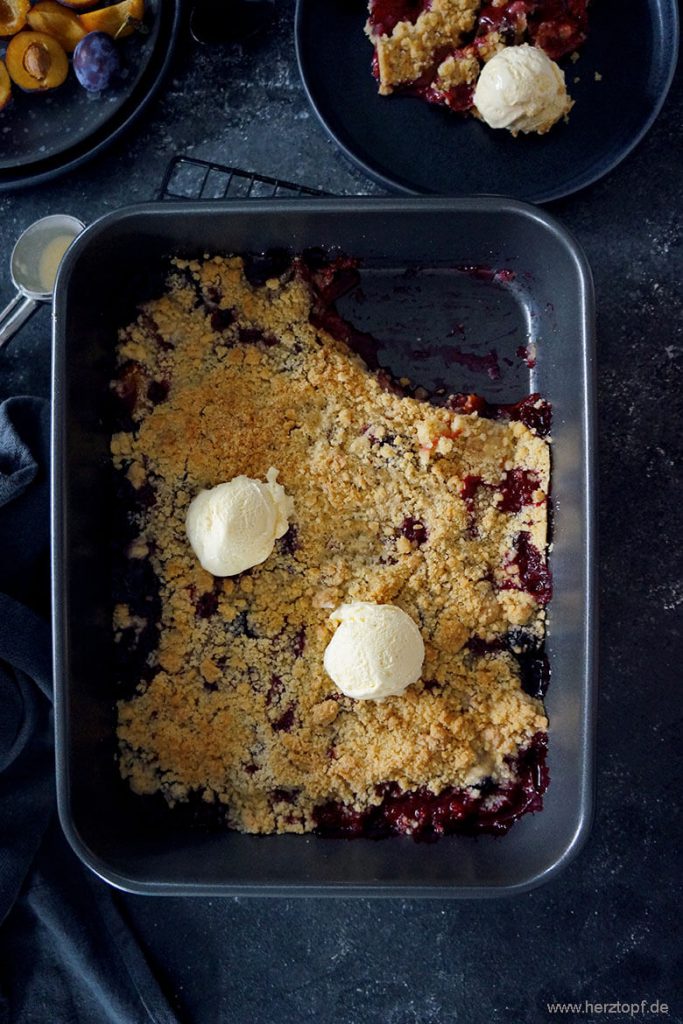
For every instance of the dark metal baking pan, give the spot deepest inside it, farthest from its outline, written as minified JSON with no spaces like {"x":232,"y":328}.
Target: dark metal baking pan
{"x":427,"y":266}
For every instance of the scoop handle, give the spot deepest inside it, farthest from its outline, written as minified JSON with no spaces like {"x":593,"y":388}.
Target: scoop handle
{"x":14,"y":315}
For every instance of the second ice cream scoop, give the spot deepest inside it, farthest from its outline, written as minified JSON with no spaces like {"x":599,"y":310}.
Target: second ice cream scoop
{"x":376,"y":652}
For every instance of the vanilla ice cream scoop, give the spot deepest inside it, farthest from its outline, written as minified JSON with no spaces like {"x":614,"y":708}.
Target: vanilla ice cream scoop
{"x":376,"y":651}
{"x":523,"y":90}
{"x":235,"y":525}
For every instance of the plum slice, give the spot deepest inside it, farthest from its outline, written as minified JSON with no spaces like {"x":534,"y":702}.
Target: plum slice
{"x":5,"y":86}
{"x":13,"y":15}
{"x":36,"y":62}
{"x":118,"y":20}
{"x":57,"y":21}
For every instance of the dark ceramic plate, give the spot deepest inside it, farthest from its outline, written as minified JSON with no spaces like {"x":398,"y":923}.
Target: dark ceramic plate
{"x":44,"y":136}
{"x":408,"y":145}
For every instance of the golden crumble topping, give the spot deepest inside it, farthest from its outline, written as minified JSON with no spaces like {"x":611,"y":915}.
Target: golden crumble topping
{"x":236,"y":705}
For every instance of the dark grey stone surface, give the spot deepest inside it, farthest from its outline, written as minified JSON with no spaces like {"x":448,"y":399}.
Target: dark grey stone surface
{"x":608,"y":928}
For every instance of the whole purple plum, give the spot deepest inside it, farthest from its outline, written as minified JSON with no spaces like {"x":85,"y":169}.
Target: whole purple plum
{"x":96,"y":61}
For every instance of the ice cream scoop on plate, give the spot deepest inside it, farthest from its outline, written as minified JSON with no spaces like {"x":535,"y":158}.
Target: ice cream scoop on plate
{"x":523,"y":90}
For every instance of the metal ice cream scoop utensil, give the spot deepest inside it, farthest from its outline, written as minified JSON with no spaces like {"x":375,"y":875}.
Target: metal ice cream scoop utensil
{"x":33,"y":265}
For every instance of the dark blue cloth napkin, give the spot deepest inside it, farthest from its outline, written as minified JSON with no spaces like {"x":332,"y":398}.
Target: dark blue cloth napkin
{"x":67,"y":955}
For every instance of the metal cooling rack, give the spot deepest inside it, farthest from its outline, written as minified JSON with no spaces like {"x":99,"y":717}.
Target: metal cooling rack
{"x":188,"y":178}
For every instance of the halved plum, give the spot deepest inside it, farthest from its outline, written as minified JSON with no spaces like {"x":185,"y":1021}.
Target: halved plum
{"x":36,"y":62}
{"x":118,"y":20}
{"x":5,"y":86}
{"x":13,"y":14}
{"x":57,"y":21}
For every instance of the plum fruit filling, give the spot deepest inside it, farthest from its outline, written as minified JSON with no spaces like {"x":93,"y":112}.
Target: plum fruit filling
{"x":384,"y":15}
{"x":437,"y":502}
{"x":486,"y":808}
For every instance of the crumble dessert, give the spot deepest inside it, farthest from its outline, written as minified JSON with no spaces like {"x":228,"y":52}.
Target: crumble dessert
{"x":439,"y":510}
{"x":436,"y":49}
